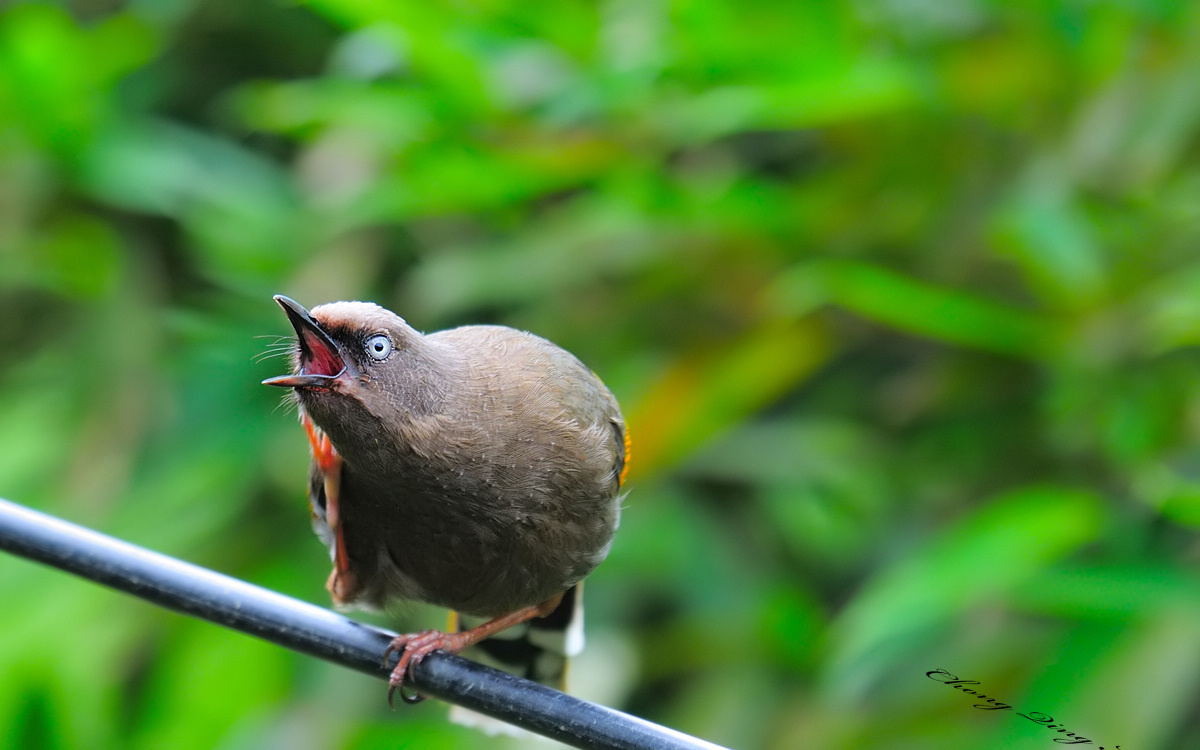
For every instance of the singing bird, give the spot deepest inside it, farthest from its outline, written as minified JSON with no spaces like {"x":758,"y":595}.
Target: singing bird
{"x":477,"y":468}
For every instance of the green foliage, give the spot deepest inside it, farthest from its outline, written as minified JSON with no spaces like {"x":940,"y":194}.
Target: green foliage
{"x":901,"y":299}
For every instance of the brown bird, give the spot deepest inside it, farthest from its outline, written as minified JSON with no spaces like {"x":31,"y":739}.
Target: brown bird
{"x":476,"y":468}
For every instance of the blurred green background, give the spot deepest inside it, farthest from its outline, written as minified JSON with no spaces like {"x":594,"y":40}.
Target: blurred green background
{"x":901,"y":299}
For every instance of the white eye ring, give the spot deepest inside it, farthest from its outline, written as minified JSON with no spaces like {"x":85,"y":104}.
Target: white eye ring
{"x":379,"y":347}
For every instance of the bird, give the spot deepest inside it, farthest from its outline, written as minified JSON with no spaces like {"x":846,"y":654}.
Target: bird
{"x":478,"y":468}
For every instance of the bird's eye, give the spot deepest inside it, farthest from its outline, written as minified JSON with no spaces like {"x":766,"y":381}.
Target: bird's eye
{"x":379,"y":347}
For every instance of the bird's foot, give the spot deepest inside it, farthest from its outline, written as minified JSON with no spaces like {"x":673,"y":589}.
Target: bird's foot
{"x":414,"y":647}
{"x":419,"y":645}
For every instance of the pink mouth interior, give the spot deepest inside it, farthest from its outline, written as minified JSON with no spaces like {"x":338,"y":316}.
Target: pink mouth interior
{"x":317,"y":358}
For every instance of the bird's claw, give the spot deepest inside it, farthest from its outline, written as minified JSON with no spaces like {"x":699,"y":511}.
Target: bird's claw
{"x":412,"y":649}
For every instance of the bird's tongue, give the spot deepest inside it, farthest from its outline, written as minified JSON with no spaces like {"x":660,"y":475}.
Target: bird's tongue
{"x":316,"y":356}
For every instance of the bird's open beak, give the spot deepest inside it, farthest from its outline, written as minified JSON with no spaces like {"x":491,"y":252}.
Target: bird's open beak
{"x":322,"y":364}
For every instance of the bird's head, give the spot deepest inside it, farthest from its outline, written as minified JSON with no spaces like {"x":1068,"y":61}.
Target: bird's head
{"x":357,"y":358}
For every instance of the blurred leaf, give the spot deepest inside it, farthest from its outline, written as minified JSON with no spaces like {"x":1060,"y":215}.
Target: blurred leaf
{"x":1011,"y":540}
{"x":238,"y":205}
{"x":913,"y":306}
{"x":865,"y":88}
{"x":57,"y":76}
{"x":1116,"y":591}
{"x":1051,"y":239}
{"x":699,"y":396}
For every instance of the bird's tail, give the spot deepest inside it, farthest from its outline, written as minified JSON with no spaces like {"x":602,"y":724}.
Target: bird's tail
{"x":537,"y":650}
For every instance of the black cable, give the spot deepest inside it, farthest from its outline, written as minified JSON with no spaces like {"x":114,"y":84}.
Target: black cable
{"x":319,"y":632}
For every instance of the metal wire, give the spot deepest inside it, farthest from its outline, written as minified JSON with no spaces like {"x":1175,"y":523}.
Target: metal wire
{"x":319,"y":632}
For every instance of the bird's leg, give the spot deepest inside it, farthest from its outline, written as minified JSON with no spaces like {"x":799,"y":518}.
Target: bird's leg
{"x":341,"y":583}
{"x":416,"y":646}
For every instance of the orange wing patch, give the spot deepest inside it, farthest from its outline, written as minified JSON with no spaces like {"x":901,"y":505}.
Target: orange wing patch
{"x":628,"y":453}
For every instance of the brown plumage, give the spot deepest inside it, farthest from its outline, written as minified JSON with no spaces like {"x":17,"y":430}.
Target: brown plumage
{"x":476,"y":468}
